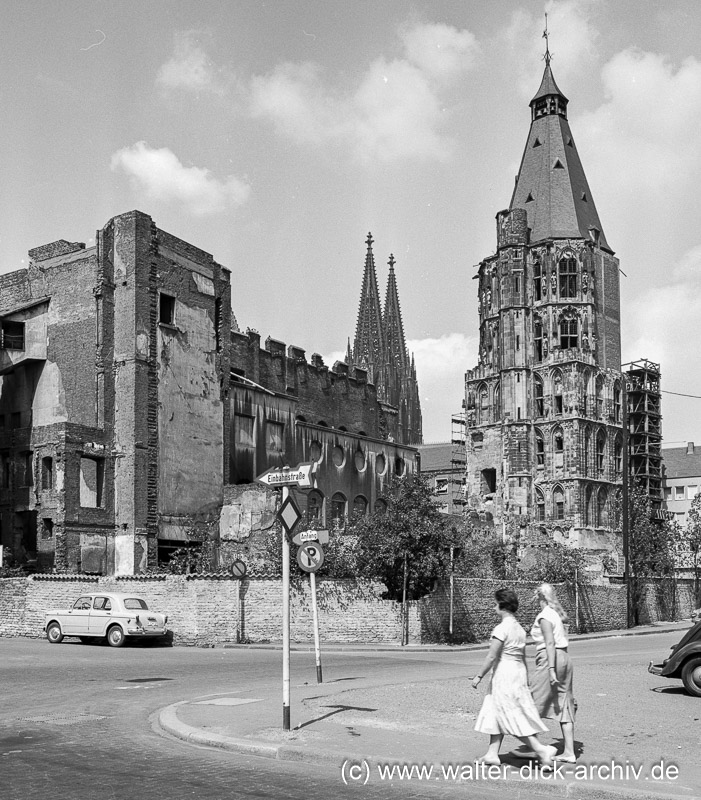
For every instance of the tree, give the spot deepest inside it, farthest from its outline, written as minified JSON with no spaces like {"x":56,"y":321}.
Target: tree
{"x":410,"y":531}
{"x":690,"y":546}
{"x":650,"y":547}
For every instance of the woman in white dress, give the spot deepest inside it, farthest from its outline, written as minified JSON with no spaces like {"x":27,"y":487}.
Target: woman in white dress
{"x":508,"y":706}
{"x":552,"y":682}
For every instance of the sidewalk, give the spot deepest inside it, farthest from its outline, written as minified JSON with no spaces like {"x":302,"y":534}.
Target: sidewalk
{"x":363,"y":726}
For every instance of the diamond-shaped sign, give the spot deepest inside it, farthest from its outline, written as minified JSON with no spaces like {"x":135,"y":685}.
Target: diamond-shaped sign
{"x":289,"y":514}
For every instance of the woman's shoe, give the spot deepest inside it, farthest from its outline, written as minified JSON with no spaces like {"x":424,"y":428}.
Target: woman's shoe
{"x":566,"y":759}
{"x":549,"y":757}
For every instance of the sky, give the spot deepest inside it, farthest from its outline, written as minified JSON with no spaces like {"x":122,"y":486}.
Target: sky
{"x":276,"y":135}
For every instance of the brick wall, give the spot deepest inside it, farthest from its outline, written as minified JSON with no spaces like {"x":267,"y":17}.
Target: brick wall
{"x":219,"y":610}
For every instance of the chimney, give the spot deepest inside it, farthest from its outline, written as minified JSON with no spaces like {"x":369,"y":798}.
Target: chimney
{"x":690,"y":448}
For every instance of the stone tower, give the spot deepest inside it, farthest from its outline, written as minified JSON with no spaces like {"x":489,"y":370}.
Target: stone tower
{"x":544,"y":414}
{"x":380,"y":348}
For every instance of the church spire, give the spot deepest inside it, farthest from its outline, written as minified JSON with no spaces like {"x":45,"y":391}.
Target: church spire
{"x":393,"y":325}
{"x":551,"y":185}
{"x":369,"y":344}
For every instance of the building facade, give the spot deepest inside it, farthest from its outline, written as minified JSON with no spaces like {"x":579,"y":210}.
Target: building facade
{"x":129,"y":400}
{"x":544,"y":441}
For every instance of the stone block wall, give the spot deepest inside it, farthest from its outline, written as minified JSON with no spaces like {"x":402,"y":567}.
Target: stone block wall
{"x":217,"y":610}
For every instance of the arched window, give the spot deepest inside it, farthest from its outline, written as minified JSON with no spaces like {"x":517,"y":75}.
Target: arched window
{"x":360,"y":506}
{"x":380,"y":506}
{"x":539,"y":449}
{"x":618,"y":456}
{"x":568,"y":277}
{"x":588,"y":506}
{"x":538,"y":399}
{"x":585,"y":392}
{"x":338,"y":512}
{"x":559,"y":447}
{"x":557,"y":393}
{"x":569,"y":331}
{"x":586,"y":455}
{"x":483,"y":410}
{"x":539,"y":505}
{"x":600,"y":450}
{"x":538,"y":338}
{"x":537,"y":281}
{"x":558,"y":503}
{"x":315,"y":507}
{"x":617,"y":402}
{"x":601,"y":515}
{"x":599,"y":396}
{"x":497,"y":402}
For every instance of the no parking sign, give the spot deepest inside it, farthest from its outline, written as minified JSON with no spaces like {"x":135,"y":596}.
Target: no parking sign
{"x":310,"y":556}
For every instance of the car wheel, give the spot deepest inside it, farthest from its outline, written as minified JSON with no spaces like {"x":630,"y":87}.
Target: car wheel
{"x":691,"y":676}
{"x":115,"y":636}
{"x":54,"y":633}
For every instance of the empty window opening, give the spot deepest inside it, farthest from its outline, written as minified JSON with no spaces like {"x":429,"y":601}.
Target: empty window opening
{"x":166,"y":309}
{"x":92,"y":476}
{"x":47,"y":528}
{"x":47,"y":473}
{"x":529,"y":199}
{"x":558,"y":164}
{"x":584,"y":197}
{"x":26,"y":465}
{"x":537,"y":142}
{"x":245,"y":430}
{"x":274,"y":432}
{"x":12,"y":335}
{"x":489,"y":481}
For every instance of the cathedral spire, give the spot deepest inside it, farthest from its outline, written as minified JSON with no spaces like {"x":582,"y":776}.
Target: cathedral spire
{"x":369,"y":344}
{"x":551,"y":185}
{"x":393,"y":325}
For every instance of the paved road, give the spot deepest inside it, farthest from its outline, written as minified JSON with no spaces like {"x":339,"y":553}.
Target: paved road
{"x":75,"y":720}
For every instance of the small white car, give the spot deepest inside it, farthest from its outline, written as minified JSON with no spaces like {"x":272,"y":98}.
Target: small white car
{"x":111,"y":615}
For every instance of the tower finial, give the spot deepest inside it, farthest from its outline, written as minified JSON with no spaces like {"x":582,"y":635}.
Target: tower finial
{"x":391,"y":261}
{"x":369,"y":241}
{"x":548,"y":54}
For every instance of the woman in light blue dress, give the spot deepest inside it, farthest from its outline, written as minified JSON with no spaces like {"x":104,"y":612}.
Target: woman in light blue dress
{"x":508,"y":707}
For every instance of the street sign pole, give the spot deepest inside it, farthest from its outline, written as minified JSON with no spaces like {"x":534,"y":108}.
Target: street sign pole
{"x":285,"y":622}
{"x":315,"y":616}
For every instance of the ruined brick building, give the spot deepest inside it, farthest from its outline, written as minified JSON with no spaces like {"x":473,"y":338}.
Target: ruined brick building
{"x":131,"y":406}
{"x":380,"y":349}
{"x":544,"y":417}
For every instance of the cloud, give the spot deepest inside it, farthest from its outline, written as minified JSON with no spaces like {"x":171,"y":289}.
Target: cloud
{"x":656,"y":326}
{"x":159,"y":173}
{"x":572,"y":41}
{"x":395,"y":111}
{"x":190,"y":68}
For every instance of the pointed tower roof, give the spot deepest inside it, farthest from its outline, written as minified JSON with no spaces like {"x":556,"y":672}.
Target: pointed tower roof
{"x":393,"y":325}
{"x":369,"y":337}
{"x":551,"y":184}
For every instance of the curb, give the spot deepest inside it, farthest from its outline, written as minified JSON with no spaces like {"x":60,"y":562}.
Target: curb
{"x":166,"y":720}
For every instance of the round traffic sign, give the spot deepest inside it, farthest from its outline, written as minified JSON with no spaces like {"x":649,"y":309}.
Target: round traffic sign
{"x":310,"y":556}
{"x":238,"y":568}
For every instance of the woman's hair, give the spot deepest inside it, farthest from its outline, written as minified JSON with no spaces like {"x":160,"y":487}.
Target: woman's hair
{"x":507,"y":600}
{"x":547,"y":592}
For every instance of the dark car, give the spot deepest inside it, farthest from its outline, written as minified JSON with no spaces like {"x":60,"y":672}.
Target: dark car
{"x":684,"y":661}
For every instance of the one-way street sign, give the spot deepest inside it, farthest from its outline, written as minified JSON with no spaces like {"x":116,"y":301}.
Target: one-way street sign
{"x":301,"y":475}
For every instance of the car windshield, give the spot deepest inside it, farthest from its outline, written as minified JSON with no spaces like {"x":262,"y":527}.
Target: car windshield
{"x":135,"y":602}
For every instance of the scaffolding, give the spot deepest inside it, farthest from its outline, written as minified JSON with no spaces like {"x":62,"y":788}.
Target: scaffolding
{"x":458,"y":463}
{"x":645,"y":428}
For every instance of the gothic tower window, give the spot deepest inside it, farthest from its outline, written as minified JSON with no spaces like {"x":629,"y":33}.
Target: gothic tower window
{"x":568,"y":277}
{"x":538,"y":338}
{"x":557,"y":393}
{"x":618,"y":456}
{"x":559,"y":447}
{"x":569,"y":334}
{"x":538,"y":398}
{"x":617,"y":402}
{"x":601,"y":517}
{"x":537,"y":281}
{"x":588,"y":506}
{"x":483,"y":410}
{"x":600,"y":450}
{"x":559,"y":503}
{"x":599,"y":396}
{"x":539,"y":449}
{"x":497,"y":403}
{"x":586,"y":454}
{"x":539,"y":505}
